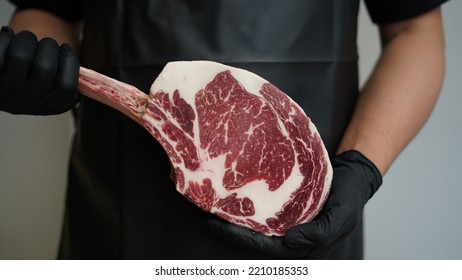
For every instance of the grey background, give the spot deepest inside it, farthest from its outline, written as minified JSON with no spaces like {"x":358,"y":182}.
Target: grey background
{"x":415,"y":214}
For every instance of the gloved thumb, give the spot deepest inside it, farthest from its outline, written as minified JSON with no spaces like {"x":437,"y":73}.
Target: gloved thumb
{"x":6,"y":35}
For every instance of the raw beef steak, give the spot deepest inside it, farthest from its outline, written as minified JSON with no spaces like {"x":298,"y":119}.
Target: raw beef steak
{"x":240,"y":148}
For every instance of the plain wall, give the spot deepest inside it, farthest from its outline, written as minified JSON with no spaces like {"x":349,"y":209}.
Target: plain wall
{"x":415,"y":214}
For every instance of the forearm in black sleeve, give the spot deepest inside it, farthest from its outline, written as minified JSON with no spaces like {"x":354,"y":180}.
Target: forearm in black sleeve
{"x":397,"y":10}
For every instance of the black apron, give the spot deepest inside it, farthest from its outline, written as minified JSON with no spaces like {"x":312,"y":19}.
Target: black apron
{"x":120,"y":201}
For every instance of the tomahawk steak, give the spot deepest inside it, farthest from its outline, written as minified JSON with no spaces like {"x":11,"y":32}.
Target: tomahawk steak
{"x":240,"y":148}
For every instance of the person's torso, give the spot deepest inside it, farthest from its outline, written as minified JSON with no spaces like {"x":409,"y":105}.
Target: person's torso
{"x":119,"y":175}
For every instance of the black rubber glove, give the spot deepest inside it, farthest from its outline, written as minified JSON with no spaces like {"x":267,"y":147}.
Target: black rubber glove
{"x":36,"y":77}
{"x":355,"y":180}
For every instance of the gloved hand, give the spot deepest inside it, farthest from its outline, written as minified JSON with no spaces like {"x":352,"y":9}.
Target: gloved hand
{"x":36,"y":78}
{"x":355,"y":180}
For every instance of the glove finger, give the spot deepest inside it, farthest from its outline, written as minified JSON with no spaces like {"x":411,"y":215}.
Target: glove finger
{"x":41,"y":78}
{"x":18,"y":61}
{"x":243,"y":237}
{"x":65,"y":96}
{"x":68,"y":73}
{"x":311,"y":234}
{"x":330,"y":225}
{"x":45,"y":65}
{"x":6,"y":35}
{"x":43,"y":75}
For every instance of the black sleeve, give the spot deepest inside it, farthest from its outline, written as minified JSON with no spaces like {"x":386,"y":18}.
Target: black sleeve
{"x":70,"y":10}
{"x":388,"y":11}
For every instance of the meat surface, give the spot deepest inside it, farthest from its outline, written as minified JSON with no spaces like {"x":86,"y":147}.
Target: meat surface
{"x":240,"y":148}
